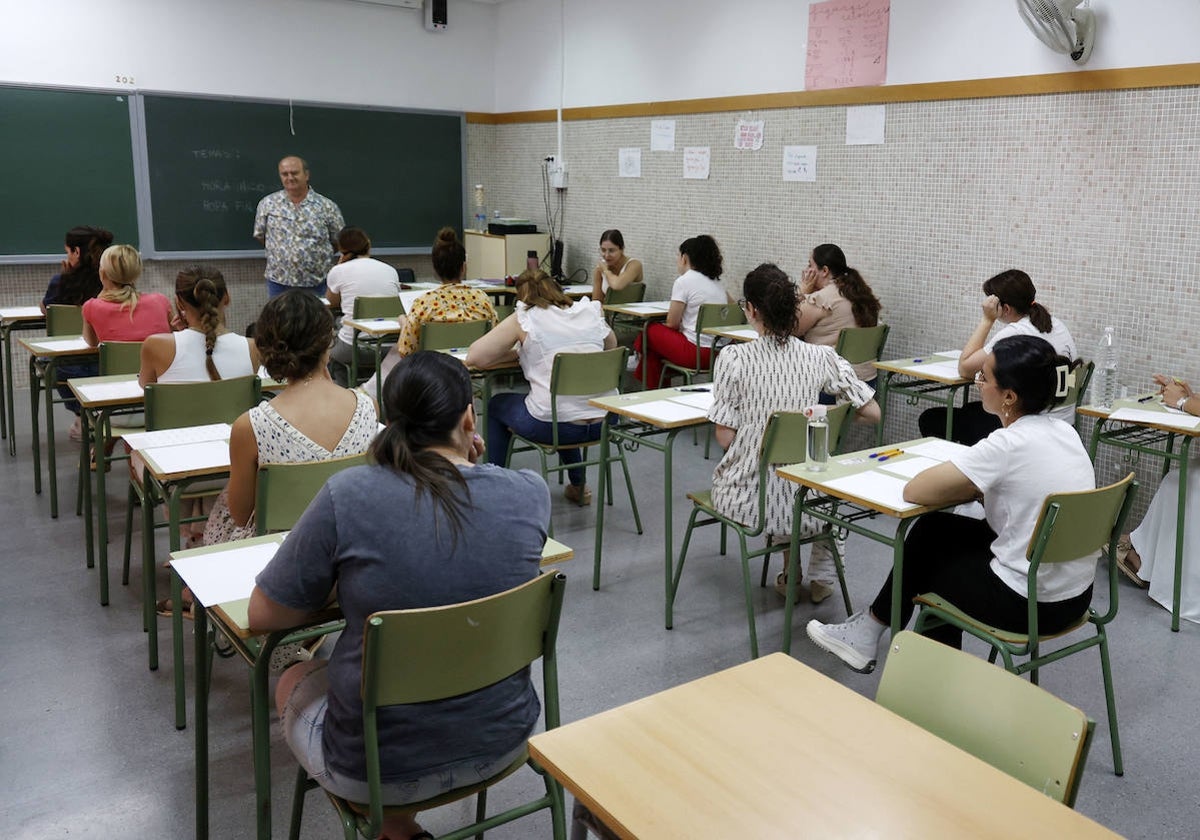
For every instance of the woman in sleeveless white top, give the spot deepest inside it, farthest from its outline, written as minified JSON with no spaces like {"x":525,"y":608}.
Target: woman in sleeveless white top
{"x":231,"y":355}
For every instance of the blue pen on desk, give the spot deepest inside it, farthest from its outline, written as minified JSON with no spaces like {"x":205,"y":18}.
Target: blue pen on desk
{"x":694,"y":390}
{"x":918,"y":361}
{"x":893,"y":455}
{"x":885,"y":454}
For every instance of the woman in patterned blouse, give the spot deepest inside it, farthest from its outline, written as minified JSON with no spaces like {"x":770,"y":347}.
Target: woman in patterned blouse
{"x":452,"y":302}
{"x":751,"y":381}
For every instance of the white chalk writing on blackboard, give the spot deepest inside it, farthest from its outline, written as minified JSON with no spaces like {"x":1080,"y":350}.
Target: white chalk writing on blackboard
{"x":847,"y":43}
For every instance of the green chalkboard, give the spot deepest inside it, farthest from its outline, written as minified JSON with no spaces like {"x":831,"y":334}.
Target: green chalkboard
{"x":396,"y":174}
{"x":66,"y":159}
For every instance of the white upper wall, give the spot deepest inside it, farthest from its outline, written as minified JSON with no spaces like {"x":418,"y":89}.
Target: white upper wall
{"x":314,"y":50}
{"x":623,"y":51}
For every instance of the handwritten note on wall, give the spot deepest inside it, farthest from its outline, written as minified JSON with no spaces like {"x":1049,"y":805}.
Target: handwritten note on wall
{"x":748,"y":134}
{"x":695,"y":161}
{"x":799,"y":163}
{"x":847,"y":43}
{"x":662,"y":135}
{"x":629,"y":162}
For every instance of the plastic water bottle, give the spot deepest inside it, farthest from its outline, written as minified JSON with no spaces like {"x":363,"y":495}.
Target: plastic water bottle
{"x":818,"y":439}
{"x":1105,"y":393}
{"x":480,"y":217}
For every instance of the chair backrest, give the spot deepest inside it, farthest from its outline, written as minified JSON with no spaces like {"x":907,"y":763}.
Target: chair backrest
{"x":444,"y":335}
{"x":407,"y":276}
{"x":584,"y":374}
{"x":862,"y":344}
{"x":416,"y":656}
{"x":994,"y":715}
{"x":716,"y":315}
{"x":1083,"y":376}
{"x":170,"y":405}
{"x":386,"y":306}
{"x":503,"y":310}
{"x":633,"y":293}
{"x":120,"y":357}
{"x":62,"y":319}
{"x":284,"y":491}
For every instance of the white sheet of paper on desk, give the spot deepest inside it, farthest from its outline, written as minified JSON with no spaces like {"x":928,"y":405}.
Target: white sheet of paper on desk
{"x":945,"y":370}
{"x":10,"y":312}
{"x":909,"y":467}
{"x":458,"y":353}
{"x":649,"y":306}
{"x":949,"y":354}
{"x":63,"y":344}
{"x":577,"y":289}
{"x":667,"y":411}
{"x":191,"y":457}
{"x":224,"y":576}
{"x":129,"y":390}
{"x":883,"y":489}
{"x":742,"y":332}
{"x":702,"y":400}
{"x":176,"y":437}
{"x":938,"y":450}
{"x":1161,"y":418}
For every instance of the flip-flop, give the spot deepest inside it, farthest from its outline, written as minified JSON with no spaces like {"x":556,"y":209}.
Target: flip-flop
{"x":1123,"y":549}
{"x":163,"y":608}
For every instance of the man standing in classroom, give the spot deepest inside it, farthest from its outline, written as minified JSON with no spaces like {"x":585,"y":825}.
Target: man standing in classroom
{"x":299,"y":228}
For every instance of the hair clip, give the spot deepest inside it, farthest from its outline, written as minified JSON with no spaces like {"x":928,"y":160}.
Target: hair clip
{"x":1066,"y":380}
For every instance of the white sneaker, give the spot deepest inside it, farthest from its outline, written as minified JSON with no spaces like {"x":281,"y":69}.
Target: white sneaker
{"x":854,"y":641}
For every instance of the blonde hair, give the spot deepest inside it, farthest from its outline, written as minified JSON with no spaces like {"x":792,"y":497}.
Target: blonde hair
{"x":122,"y":265}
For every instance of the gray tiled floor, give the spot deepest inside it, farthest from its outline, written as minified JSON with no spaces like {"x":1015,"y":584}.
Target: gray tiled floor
{"x":88,"y":748}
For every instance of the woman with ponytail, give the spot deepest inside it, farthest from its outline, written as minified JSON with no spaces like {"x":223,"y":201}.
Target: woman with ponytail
{"x":419,"y":528}
{"x":980,"y":564}
{"x":751,"y":381}
{"x":834,"y":297}
{"x":1010,"y":299}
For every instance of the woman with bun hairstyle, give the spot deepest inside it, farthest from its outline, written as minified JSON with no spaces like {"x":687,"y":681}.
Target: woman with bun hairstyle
{"x":751,"y":381}
{"x":201,"y":348}
{"x":451,"y":302}
{"x":357,"y":274}
{"x":615,"y":270}
{"x":425,"y":525}
{"x":1010,"y":299}
{"x":980,"y":564}
{"x":313,"y":419}
{"x":546,"y":322}
{"x":834,"y":297}
{"x":79,"y":278}
{"x":699,"y":282}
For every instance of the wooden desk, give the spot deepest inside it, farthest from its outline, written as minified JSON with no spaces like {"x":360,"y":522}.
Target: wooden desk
{"x":45,"y":354}
{"x":231,"y":617}
{"x":13,"y":318}
{"x":1150,"y":435}
{"x":824,"y":496}
{"x":773,"y":749}
{"x":653,"y":413}
{"x":922,"y":381}
{"x":646,"y":312}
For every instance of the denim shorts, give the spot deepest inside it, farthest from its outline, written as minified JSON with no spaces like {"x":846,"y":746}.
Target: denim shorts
{"x":304,"y":722}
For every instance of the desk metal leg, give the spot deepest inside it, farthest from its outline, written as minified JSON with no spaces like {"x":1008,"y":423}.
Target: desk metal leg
{"x":885,"y":377}
{"x":200,"y":637}
{"x":601,"y":484}
{"x":260,"y":702}
{"x":101,"y":505}
{"x":668,"y":525}
{"x":176,"y":614}
{"x":35,"y":383}
{"x":5,"y":380}
{"x":85,"y":486}
{"x":1180,"y":520}
{"x":898,"y":571}
{"x":51,"y":459}
{"x":149,"y":617}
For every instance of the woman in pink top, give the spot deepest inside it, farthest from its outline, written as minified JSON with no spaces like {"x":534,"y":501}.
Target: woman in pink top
{"x":119,"y":313}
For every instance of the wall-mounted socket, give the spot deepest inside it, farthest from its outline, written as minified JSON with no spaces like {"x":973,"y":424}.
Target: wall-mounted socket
{"x":556,"y":170}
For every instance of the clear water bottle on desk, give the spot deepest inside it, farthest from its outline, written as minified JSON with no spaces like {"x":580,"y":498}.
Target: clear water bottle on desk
{"x":480,"y":216}
{"x":1104,"y":394}
{"x":818,"y":438}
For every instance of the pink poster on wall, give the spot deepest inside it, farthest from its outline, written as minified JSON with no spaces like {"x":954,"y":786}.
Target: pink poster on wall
{"x":847,"y":43}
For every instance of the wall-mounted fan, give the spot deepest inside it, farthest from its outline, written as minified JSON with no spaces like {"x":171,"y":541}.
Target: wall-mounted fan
{"x":1061,"y":25}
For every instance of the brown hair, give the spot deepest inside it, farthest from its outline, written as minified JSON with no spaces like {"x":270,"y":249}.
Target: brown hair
{"x":203,"y":288}
{"x":354,"y":241}
{"x":293,"y":333}
{"x":1016,"y":289}
{"x":851,"y":286}
{"x":774,"y":296}
{"x":536,"y":289}
{"x":449,"y":255}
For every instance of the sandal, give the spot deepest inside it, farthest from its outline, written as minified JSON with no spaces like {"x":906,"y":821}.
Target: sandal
{"x":163,"y":608}
{"x":1124,"y":547}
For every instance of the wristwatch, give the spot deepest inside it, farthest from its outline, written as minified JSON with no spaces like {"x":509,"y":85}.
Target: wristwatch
{"x":1182,"y":402}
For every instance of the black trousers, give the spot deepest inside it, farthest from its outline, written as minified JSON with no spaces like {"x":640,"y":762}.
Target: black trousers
{"x":971,"y":423}
{"x":950,"y":555}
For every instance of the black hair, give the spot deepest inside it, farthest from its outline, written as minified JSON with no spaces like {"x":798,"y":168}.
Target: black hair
{"x":1029,"y":366}
{"x":774,"y":296}
{"x":703,"y":255}
{"x":448,"y":255}
{"x":424,"y":398}
{"x":614,"y":236}
{"x":863,"y":303}
{"x":82,"y":282}
{"x":1016,"y":289}
{"x":293,"y":333}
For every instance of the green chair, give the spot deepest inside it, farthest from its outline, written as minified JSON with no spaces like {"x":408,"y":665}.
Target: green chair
{"x":387,"y":306}
{"x":580,"y":375}
{"x":284,"y":491}
{"x":784,"y":442}
{"x":61,"y":321}
{"x":1071,"y":525}
{"x":1077,"y":391}
{"x":624,"y":326}
{"x":710,"y":315}
{"x":995,"y":716}
{"x":450,"y":335}
{"x":861,"y":344}
{"x":503,"y":310}
{"x":171,"y":406}
{"x":426,"y":655}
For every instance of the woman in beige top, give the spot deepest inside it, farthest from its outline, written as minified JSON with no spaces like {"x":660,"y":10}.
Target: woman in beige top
{"x":615,"y":270}
{"x":833,"y":297}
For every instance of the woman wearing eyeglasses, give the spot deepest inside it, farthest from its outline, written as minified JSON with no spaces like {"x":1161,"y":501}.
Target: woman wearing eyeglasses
{"x":1011,"y":300}
{"x":980,"y":564}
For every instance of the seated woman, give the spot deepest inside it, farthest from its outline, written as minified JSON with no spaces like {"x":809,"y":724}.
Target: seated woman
{"x":699,"y":282}
{"x":418,"y":528}
{"x":546,"y":322}
{"x":79,"y":277}
{"x":356,"y":275}
{"x":1147,"y":555}
{"x":834,"y":297}
{"x":311,"y":420}
{"x":200,"y":348}
{"x":778,"y":372}
{"x":1011,"y":301}
{"x":615,"y":270}
{"x":452,"y":302}
{"x":980,"y":565}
